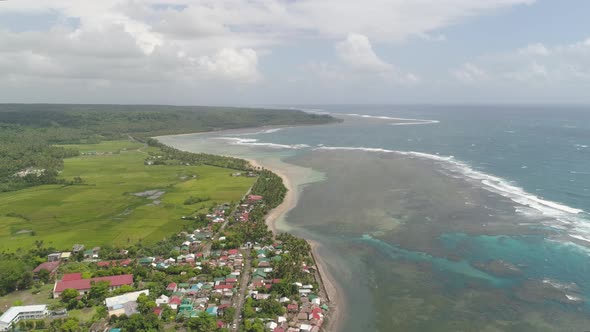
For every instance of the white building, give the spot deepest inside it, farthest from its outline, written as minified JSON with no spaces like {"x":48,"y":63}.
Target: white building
{"x":162,"y":300}
{"x":15,"y":314}
{"x":124,"y":304}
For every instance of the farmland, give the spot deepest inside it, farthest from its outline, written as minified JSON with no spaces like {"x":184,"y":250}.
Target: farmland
{"x":109,"y":204}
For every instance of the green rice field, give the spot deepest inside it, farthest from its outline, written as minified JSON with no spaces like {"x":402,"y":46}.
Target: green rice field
{"x":104,"y":209}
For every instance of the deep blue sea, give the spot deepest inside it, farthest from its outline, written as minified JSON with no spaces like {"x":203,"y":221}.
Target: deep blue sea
{"x":457,"y":218}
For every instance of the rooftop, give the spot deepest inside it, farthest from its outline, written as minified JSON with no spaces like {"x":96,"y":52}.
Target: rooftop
{"x":60,"y":286}
{"x":13,"y":312}
{"x":122,"y":299}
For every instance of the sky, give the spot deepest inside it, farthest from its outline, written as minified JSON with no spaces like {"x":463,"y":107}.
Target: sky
{"x":263,"y":52}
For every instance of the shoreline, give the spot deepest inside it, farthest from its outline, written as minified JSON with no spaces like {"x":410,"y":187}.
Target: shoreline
{"x":332,"y":290}
{"x":328,"y":282}
{"x":288,"y":203}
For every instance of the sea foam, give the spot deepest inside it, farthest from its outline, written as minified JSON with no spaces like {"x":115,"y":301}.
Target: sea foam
{"x":377,"y":117}
{"x":388,"y":118}
{"x":255,"y":142}
{"x":261,"y":132}
{"x":561,"y":214}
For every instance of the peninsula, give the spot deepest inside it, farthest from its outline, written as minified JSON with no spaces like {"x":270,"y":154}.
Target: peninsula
{"x":128,"y":233}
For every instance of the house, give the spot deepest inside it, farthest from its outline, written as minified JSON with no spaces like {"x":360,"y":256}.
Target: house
{"x":125,"y":304}
{"x":56,"y":256}
{"x":51,"y":267}
{"x":172,"y":287}
{"x":75,"y":281}
{"x":146,"y":261}
{"x":15,"y":314}
{"x":65,"y":256}
{"x":305,"y":327}
{"x":174,"y":302}
{"x":254,"y":198}
{"x":162,"y":300}
{"x":77,"y":248}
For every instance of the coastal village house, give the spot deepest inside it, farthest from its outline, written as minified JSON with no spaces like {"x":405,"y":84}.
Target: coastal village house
{"x":75,"y":281}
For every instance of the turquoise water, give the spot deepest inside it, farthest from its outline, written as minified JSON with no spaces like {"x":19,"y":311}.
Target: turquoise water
{"x":476,"y":222}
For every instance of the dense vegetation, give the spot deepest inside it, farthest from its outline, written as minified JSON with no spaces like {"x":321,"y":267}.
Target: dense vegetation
{"x":171,"y":154}
{"x":271,"y":187}
{"x":28,"y":131}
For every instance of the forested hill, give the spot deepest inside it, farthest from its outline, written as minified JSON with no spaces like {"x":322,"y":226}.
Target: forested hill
{"x":73,"y":123}
{"x":29,"y":131}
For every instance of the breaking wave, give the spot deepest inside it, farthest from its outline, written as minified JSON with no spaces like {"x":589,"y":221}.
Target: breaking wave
{"x":261,"y":132}
{"x":255,"y":142}
{"x":573,"y":218}
{"x":378,"y":117}
{"x":411,"y":121}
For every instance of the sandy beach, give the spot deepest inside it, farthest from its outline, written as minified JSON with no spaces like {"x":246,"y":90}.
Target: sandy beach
{"x":328,"y":281}
{"x":288,"y":203}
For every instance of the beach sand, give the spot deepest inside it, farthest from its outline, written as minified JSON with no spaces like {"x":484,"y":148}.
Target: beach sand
{"x":329,"y":283}
{"x":333,"y":323}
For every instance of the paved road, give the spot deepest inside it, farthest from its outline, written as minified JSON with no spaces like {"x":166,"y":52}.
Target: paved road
{"x":239,"y":298}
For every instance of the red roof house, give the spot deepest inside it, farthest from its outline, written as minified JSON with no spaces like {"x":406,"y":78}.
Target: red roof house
{"x":49,"y":266}
{"x":254,"y":198}
{"x":71,"y":276}
{"x":172,"y":287}
{"x":224,"y":286}
{"x":84,"y":285}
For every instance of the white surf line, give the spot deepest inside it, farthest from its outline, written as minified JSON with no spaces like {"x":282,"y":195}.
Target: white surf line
{"x":260,"y":132}
{"x":414,"y":121}
{"x":255,"y":142}
{"x":491,"y":183}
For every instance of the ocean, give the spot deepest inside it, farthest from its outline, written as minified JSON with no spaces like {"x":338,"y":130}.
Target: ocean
{"x":439,"y":218}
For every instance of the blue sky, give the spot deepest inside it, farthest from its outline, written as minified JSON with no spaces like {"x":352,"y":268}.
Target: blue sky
{"x":256,"y":52}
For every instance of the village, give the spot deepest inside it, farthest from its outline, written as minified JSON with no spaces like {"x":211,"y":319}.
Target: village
{"x":229,"y":274}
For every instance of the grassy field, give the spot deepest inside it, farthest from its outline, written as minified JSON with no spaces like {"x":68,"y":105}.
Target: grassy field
{"x":26,"y":297}
{"x":103,"y":209}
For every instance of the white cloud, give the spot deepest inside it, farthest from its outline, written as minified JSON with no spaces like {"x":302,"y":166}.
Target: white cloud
{"x":192,"y":41}
{"x":534,"y":49}
{"x":535,"y":64}
{"x":361,"y":62}
{"x":470,"y":73}
{"x":232,"y":64}
{"x":357,"y":52}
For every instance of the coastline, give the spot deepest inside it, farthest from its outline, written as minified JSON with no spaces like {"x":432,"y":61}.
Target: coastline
{"x":332,"y":290}
{"x":289,"y":202}
{"x":328,"y":282}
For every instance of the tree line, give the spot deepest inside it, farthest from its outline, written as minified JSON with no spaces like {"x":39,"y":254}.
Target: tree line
{"x":28,"y":133}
